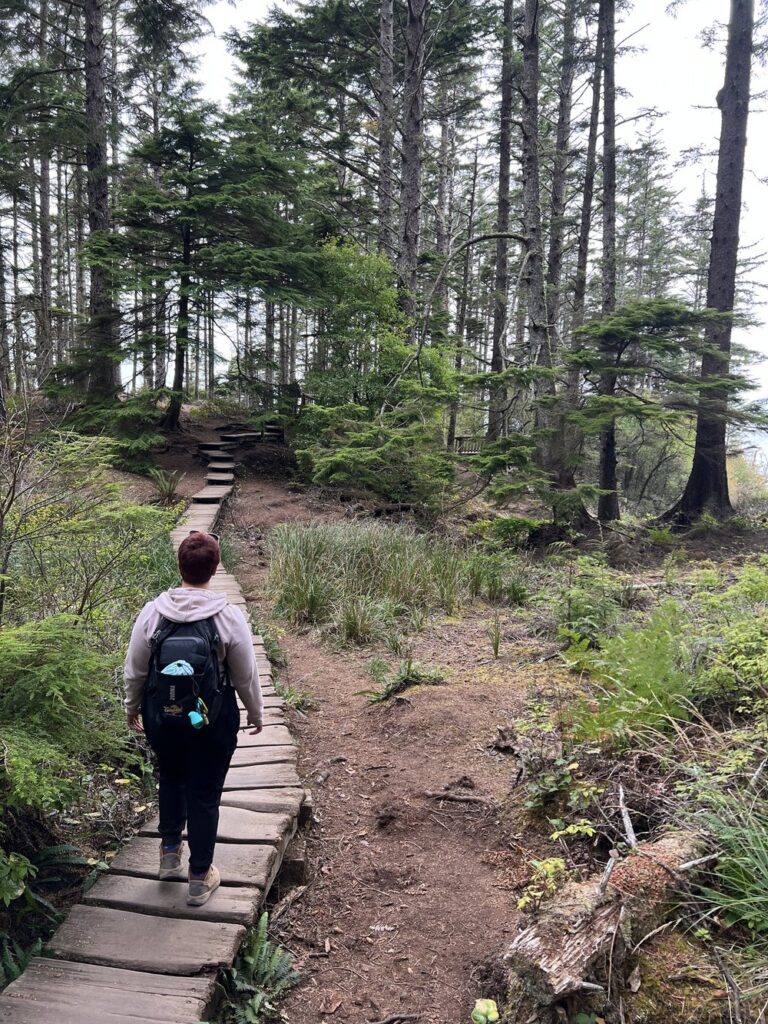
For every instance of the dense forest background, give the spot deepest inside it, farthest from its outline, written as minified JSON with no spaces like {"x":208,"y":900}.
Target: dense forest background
{"x":410,"y":223}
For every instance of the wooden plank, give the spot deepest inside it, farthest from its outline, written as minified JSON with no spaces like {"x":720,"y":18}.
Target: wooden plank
{"x":245,"y":756}
{"x":285,"y":801}
{"x":266,"y":776}
{"x":272,"y":716}
{"x":139,"y":942}
{"x":62,"y":992}
{"x":239,"y":826}
{"x":212,"y":494}
{"x":239,"y":864}
{"x":169,"y":899}
{"x":270,"y":736}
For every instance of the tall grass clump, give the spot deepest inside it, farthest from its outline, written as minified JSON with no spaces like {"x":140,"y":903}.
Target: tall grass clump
{"x":736,"y":892}
{"x":359,"y":578}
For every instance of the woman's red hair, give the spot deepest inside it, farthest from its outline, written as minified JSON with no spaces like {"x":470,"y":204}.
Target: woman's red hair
{"x":199,"y":556}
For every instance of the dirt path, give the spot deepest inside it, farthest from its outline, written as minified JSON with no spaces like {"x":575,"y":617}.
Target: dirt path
{"x":403,"y":901}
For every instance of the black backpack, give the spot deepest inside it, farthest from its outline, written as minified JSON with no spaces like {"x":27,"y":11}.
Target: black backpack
{"x":169,"y":698}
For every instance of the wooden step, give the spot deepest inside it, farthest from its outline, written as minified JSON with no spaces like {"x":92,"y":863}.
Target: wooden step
{"x":211,"y":495}
{"x":245,"y":757}
{"x":141,"y":942}
{"x":221,"y":467}
{"x":270,"y":736}
{"x":287,"y":801}
{"x":206,"y":446}
{"x":237,"y":905}
{"x":220,"y":478}
{"x":271,"y":776}
{"x":64,"y":992}
{"x":236,"y":825}
{"x":239,"y":863}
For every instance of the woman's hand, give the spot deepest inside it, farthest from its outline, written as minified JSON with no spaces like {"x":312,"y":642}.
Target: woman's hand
{"x":257,"y":727}
{"x":134,"y":721}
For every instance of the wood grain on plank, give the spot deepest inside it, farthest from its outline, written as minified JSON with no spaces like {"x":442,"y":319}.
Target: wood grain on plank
{"x":169,"y":899}
{"x":239,"y":864}
{"x":266,"y":776}
{"x":140,"y":942}
{"x":239,"y":826}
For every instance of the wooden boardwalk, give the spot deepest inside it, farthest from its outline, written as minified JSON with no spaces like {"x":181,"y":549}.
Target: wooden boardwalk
{"x":132,"y":951}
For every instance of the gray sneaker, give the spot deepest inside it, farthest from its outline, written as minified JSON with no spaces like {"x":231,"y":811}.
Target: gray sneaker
{"x":170,"y":863}
{"x":201,"y":889}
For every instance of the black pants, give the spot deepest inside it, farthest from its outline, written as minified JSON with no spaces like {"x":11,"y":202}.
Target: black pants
{"x":192,"y":767}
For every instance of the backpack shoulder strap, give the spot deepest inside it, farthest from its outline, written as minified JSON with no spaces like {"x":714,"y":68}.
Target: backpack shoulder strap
{"x":165,"y":628}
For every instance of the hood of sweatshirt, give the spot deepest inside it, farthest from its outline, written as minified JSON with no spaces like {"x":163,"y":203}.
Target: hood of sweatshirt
{"x":187,"y":604}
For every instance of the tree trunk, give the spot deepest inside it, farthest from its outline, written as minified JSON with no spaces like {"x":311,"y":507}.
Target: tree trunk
{"x":586,"y":933}
{"x":44,"y":353}
{"x":5,"y":350}
{"x":411,"y":163}
{"x":608,"y":502}
{"x":707,"y":486}
{"x":19,"y":354}
{"x":533,"y":276}
{"x":170,"y":421}
{"x":560,"y":461}
{"x":386,"y":129}
{"x":463,"y":304}
{"x":497,"y":407}
{"x":104,"y":353}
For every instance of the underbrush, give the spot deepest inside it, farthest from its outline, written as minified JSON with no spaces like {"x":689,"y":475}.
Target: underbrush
{"x":77,"y":561}
{"x":668,"y":730}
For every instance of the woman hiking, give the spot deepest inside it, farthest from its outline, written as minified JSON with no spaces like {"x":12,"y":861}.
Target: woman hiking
{"x":190,"y":653}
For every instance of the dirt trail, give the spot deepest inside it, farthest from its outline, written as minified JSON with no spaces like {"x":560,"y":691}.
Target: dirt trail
{"x":402,"y":901}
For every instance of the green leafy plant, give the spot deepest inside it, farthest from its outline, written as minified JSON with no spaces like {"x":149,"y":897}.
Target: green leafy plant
{"x":262,"y":973}
{"x":589,"y":605}
{"x":548,"y":875}
{"x":296,"y":699}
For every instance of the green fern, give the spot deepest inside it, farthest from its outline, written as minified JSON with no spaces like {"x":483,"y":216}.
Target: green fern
{"x":167,"y":483}
{"x":14,"y":959}
{"x":261,"y":975}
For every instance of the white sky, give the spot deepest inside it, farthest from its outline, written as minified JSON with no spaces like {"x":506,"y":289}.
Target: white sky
{"x":672,"y":72}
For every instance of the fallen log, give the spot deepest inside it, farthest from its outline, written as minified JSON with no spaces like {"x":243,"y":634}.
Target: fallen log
{"x":581,"y":942}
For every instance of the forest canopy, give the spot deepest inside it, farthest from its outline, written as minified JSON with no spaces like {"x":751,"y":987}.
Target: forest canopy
{"x":410,"y":234}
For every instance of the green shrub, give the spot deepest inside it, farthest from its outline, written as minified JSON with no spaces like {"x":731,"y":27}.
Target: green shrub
{"x":663,"y":537}
{"x":402,"y":462}
{"x":505,"y":531}
{"x":57,"y":709}
{"x":589,"y":605}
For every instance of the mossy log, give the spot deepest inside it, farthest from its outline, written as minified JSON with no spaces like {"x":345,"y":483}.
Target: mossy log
{"x":589,"y":928}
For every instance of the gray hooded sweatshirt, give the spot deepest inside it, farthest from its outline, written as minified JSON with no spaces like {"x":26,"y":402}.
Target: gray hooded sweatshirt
{"x":191,"y":604}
